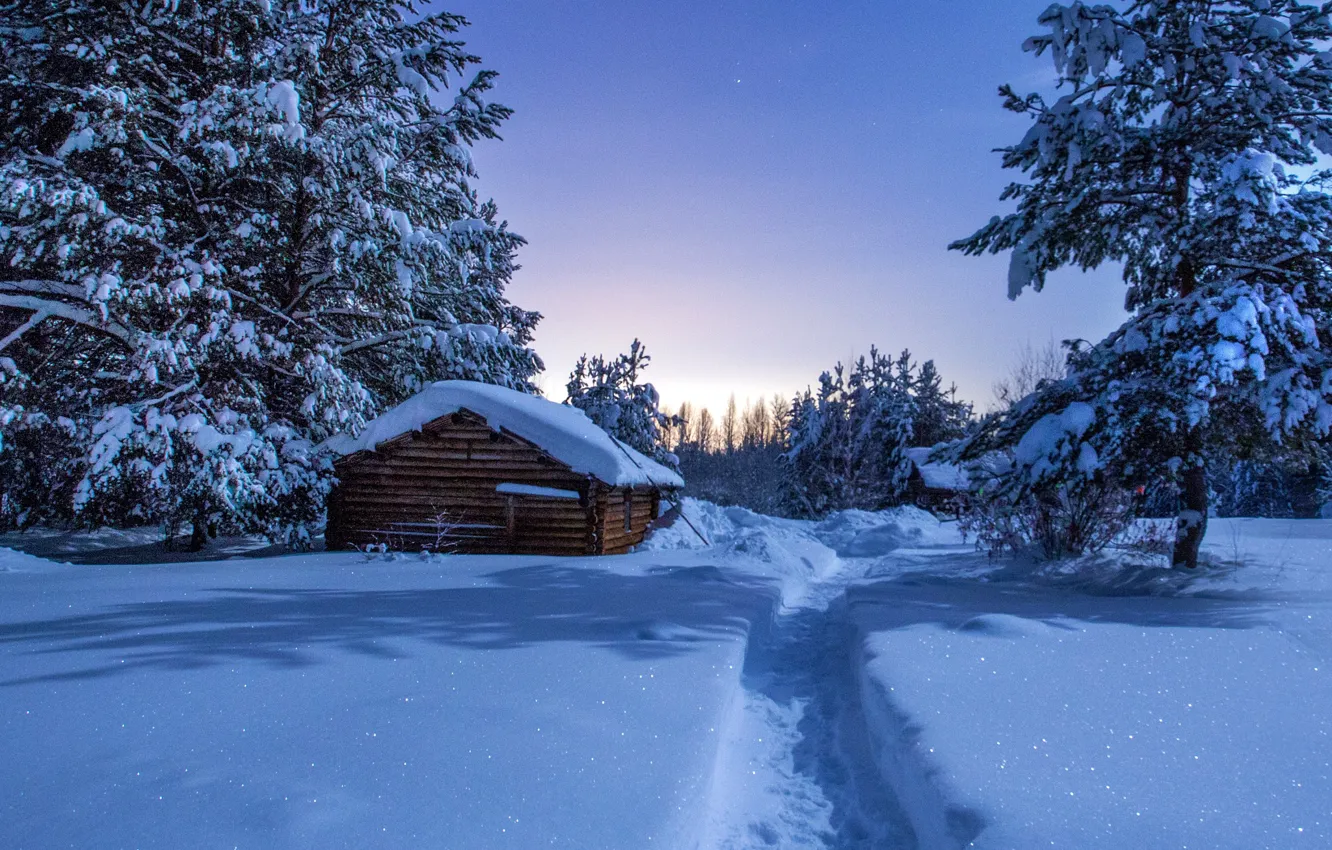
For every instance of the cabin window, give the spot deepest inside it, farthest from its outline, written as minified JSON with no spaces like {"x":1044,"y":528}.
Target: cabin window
{"x":628,"y":511}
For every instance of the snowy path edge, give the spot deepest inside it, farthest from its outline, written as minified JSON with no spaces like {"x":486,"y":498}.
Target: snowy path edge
{"x":931,"y":806}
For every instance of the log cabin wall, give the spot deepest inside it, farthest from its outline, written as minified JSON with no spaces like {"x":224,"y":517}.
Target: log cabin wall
{"x":435,"y":489}
{"x":625,"y":518}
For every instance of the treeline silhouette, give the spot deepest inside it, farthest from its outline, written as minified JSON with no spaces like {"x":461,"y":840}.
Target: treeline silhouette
{"x":842,"y":445}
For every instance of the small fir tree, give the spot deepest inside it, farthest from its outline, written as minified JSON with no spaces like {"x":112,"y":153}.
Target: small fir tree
{"x":846,"y":446}
{"x":610,"y":393}
{"x":940,"y":416}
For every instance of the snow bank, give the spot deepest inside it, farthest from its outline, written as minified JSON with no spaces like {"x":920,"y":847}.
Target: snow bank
{"x":782,"y":550}
{"x":1040,"y":708}
{"x":12,"y":561}
{"x":563,"y":431}
{"x":869,"y":534}
{"x":712,"y":521}
{"x":1108,"y":735}
{"x":851,"y":533}
{"x":797,"y":553}
{"x":141,"y":545}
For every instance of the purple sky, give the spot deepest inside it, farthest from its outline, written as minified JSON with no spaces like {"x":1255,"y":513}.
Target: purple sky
{"x":759,"y":189}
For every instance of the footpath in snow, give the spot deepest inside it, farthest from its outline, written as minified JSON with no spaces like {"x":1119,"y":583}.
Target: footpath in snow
{"x":796,"y":767}
{"x":928,"y":696}
{"x":864,"y":682}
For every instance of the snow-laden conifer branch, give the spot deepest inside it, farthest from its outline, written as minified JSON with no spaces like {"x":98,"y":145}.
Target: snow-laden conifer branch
{"x":33,"y":321}
{"x":78,"y":315}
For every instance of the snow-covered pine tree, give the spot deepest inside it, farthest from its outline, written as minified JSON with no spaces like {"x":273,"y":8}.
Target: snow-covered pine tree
{"x":882,"y":427}
{"x":230,"y":229}
{"x":814,"y":472}
{"x":1182,"y":143}
{"x":609,"y":392}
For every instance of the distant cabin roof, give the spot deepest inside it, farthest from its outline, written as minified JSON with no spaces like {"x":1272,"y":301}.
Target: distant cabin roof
{"x":562,"y":431}
{"x":939,"y":476}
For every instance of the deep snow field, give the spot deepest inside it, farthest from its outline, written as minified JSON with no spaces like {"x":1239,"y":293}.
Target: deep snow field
{"x":869,"y":681}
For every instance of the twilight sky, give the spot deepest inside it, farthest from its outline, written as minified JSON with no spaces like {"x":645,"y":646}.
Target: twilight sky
{"x":759,"y":189}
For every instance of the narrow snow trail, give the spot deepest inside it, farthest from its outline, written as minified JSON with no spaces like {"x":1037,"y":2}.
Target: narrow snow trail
{"x":796,"y":768}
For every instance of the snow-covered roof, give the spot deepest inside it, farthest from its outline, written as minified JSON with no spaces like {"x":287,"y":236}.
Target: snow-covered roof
{"x":939,"y":476}
{"x":562,"y":431}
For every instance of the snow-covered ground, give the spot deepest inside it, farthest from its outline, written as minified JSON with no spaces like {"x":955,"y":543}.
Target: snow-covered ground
{"x":1109,"y":708}
{"x":325,"y":701}
{"x":868,"y":681}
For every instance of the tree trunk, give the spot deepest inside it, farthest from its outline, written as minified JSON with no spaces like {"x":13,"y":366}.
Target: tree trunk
{"x":199,"y":534}
{"x":1192,"y":522}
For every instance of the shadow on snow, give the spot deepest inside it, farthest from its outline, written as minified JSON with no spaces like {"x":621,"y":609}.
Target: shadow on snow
{"x":665,"y":613}
{"x":1149,"y":599}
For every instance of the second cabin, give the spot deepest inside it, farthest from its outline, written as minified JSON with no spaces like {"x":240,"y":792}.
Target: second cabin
{"x":470,"y":467}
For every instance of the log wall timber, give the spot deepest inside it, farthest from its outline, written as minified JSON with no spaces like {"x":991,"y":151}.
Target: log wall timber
{"x":618,"y":536}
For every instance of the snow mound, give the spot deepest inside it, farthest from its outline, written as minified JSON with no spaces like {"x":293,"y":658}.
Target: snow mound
{"x":848,"y":534}
{"x":787,"y":550}
{"x":869,"y":534}
{"x":668,"y":631}
{"x":1003,"y":626}
{"x":783,"y":550}
{"x":58,"y":544}
{"x":715,"y":523}
{"x":12,"y":561}
{"x":563,"y":431}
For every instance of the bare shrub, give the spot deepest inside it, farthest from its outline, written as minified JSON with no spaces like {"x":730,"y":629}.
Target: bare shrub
{"x":1032,"y":366}
{"x":1058,"y":522}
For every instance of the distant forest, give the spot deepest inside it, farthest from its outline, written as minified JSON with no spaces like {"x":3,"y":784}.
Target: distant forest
{"x":743,"y":457}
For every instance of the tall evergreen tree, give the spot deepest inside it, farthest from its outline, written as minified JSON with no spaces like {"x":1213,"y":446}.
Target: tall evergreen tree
{"x":1182,"y":144}
{"x":231,"y":229}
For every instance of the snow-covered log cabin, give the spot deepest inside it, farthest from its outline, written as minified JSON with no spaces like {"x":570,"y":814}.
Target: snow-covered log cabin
{"x":935,"y":485}
{"x":469,"y":467}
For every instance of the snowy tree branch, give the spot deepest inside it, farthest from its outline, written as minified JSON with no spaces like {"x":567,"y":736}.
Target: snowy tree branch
{"x":33,"y":321}
{"x":235,"y":293}
{"x":45,"y":287}
{"x":382,"y":339}
{"x":151,"y":402}
{"x":69,"y":313}
{"x":306,"y":288}
{"x":337,"y":311}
